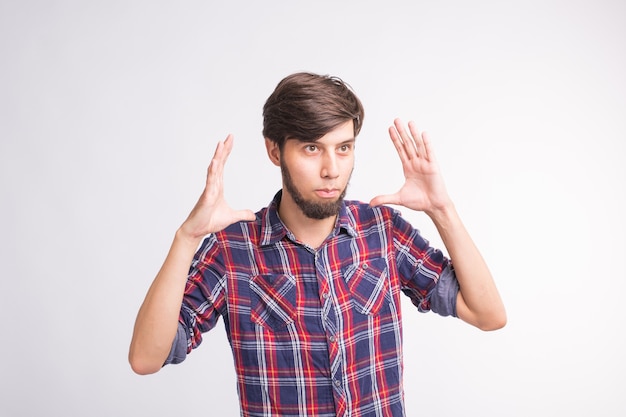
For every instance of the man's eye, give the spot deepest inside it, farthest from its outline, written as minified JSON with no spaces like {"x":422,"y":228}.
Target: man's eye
{"x":311,"y":148}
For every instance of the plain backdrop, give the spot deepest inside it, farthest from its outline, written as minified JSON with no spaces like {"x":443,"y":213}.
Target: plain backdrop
{"x":110,"y":112}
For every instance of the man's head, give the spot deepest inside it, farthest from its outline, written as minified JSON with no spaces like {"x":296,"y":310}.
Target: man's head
{"x":306,"y":106}
{"x":310,"y":123}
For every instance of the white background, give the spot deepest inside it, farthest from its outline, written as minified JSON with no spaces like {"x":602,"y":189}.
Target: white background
{"x":110,"y":112}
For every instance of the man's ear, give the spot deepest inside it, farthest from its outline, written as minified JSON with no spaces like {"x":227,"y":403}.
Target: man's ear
{"x":273,"y":151}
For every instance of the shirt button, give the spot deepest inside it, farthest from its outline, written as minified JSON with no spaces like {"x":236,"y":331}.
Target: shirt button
{"x":337,"y":383}
{"x":364,"y":265}
{"x":326,"y":295}
{"x":332,"y":338}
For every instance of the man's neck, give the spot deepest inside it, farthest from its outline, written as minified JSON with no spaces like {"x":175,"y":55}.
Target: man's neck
{"x":311,"y":232}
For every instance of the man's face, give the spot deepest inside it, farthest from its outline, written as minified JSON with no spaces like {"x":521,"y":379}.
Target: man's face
{"x":316,"y":174}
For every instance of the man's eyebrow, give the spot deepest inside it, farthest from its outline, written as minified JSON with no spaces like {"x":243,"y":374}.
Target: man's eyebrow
{"x":348,"y":140}
{"x":340,"y":143}
{"x":317,"y":141}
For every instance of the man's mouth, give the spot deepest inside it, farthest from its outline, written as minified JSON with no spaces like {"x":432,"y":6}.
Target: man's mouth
{"x":328,"y":192}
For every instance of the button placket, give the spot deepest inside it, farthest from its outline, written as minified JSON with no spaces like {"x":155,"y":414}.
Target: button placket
{"x":330,"y":323}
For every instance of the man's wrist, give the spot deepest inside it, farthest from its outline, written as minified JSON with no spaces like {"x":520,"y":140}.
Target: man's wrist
{"x":444,"y":214}
{"x":186,"y":238}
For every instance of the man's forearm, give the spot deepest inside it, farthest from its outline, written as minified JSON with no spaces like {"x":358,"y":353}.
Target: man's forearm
{"x":157,"y":320}
{"x":479,"y":301}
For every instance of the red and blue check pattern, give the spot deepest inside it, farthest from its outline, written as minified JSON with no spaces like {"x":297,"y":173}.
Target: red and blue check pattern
{"x":313,"y":332}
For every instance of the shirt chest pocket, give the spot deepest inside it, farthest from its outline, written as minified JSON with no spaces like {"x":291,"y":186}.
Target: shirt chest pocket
{"x":273,"y":300}
{"x":368,"y":283}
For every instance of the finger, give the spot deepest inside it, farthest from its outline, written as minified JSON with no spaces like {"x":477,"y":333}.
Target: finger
{"x":384,"y":199}
{"x":407,"y":140}
{"x":215,"y":170}
{"x":428,"y":149}
{"x":222,"y":152}
{"x":419,"y":140}
{"x":245,"y":215}
{"x":397,"y":143}
{"x":214,"y":167}
{"x":228,"y":145}
{"x":223,"y":149}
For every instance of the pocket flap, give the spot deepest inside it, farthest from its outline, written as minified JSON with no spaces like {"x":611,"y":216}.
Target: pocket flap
{"x":273,"y":300}
{"x":368,"y":284}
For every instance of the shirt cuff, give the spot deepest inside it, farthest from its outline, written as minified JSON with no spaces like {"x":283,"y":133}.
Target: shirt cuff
{"x":178,"y":352}
{"x":443,"y":298}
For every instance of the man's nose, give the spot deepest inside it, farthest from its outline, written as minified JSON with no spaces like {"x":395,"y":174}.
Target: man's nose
{"x":329,"y":166}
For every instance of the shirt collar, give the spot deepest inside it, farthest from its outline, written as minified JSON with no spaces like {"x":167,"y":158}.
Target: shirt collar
{"x":274,"y":230}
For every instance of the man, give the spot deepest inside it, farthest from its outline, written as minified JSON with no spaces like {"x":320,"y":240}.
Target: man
{"x":309,"y":287}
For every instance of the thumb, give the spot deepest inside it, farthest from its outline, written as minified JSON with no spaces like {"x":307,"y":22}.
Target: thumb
{"x":384,"y":199}
{"x":245,"y":215}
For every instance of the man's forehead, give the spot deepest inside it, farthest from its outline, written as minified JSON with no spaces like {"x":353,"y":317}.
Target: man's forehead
{"x":344,"y":133}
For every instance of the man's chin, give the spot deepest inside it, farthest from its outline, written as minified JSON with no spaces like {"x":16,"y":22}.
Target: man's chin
{"x":320,"y":210}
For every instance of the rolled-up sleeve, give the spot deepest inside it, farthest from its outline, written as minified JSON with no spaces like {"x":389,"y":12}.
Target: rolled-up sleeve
{"x":178,"y":352}
{"x":427,"y":275}
{"x":443,"y":298}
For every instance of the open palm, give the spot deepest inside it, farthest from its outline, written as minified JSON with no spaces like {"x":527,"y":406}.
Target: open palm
{"x":212,"y":213}
{"x":423,"y":189}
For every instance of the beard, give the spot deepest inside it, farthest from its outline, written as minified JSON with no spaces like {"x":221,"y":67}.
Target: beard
{"x":311,"y":209}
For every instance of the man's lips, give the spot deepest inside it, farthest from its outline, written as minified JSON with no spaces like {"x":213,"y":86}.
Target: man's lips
{"x":327,"y":192}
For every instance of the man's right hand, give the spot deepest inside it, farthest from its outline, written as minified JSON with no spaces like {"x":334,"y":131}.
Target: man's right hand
{"x":211,"y":213}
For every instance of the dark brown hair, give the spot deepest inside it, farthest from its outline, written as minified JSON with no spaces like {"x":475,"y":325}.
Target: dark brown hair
{"x":306,"y":106}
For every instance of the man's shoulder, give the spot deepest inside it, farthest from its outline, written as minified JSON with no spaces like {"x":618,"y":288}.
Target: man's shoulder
{"x":245,"y":230}
{"x":356,"y":206}
{"x":240,"y":227}
{"x":364,"y":214}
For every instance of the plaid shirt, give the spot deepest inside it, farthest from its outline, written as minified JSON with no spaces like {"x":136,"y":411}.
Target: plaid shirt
{"x":315,"y":332}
